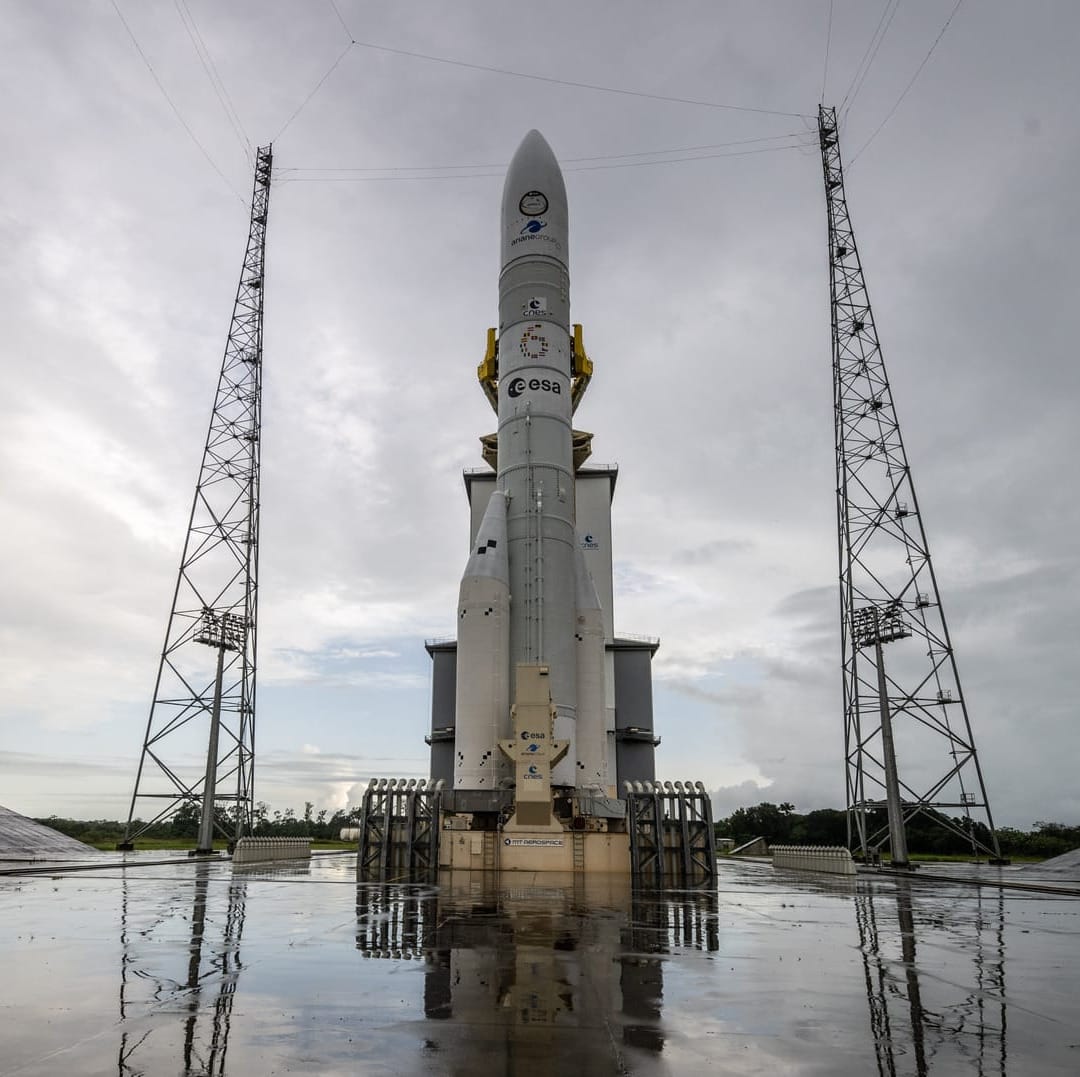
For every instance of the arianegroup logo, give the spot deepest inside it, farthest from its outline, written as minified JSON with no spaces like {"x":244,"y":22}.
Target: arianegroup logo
{"x":533,"y":344}
{"x":530,"y":228}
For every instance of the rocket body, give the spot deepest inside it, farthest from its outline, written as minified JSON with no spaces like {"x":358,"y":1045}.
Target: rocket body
{"x":536,"y":467}
{"x":535,"y":491}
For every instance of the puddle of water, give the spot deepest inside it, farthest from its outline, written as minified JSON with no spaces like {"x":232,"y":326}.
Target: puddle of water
{"x":194,"y":969}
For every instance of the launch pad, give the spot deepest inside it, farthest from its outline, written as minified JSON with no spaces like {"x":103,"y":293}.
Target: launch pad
{"x":164,"y":968}
{"x":659,"y":833}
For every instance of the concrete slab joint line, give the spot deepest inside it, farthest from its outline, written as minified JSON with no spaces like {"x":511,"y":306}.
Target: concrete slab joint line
{"x":834,"y":859}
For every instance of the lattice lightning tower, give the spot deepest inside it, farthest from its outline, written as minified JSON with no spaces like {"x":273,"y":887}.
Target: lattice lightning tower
{"x":199,"y":749}
{"x":911,"y":709}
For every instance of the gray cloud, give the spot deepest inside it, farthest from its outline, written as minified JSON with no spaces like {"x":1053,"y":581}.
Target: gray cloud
{"x":703,"y":293}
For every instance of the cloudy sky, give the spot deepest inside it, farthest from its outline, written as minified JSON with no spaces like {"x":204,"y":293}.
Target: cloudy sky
{"x":698,"y":265}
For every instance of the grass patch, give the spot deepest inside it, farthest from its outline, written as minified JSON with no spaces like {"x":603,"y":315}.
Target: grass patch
{"x":177,"y":845}
{"x":184,"y":845}
{"x":967,"y":858}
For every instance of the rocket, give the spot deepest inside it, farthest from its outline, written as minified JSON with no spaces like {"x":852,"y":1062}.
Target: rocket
{"x":526,"y":595}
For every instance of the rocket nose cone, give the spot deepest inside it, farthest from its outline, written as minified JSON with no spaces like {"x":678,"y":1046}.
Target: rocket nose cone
{"x":534,"y":168}
{"x":535,"y":145}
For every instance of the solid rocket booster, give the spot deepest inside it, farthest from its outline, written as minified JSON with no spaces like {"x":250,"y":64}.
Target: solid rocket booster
{"x":482,"y":702}
{"x":535,"y":462}
{"x":592,"y":745}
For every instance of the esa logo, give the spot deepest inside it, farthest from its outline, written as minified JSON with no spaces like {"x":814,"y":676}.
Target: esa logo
{"x":526,"y":735}
{"x":544,"y":385}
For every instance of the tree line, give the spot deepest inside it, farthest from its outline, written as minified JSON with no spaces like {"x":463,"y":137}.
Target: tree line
{"x":780,"y":824}
{"x":183,"y":825}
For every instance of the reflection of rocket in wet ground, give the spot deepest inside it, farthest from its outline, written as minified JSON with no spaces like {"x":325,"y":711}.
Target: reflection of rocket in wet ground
{"x":545,"y":979}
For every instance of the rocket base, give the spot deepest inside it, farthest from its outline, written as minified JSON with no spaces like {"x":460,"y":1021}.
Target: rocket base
{"x":541,"y":849}
{"x":661,"y":836}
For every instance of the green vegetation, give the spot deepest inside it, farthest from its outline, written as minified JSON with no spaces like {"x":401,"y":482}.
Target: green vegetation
{"x":927,"y":838}
{"x":181,"y":829}
{"x":777,"y":823}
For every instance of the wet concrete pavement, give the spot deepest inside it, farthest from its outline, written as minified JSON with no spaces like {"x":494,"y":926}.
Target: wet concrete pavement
{"x":197,"y":969}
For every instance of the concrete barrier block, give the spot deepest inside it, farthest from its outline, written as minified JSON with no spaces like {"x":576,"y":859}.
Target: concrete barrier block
{"x":258,"y":850}
{"x":834,"y":859}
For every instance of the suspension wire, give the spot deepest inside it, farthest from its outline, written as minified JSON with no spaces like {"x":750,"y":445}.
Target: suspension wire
{"x":172,"y":105}
{"x":341,"y":19}
{"x":216,"y":82}
{"x":577,"y":85}
{"x":804,"y":136}
{"x":679,"y":160}
{"x":318,"y":86}
{"x":911,"y":82}
{"x":888,"y":13}
{"x":828,"y":42}
{"x":524,"y":75}
{"x":502,"y":172}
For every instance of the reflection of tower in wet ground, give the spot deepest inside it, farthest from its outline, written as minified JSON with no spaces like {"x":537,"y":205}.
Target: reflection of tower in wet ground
{"x":153,"y":996}
{"x":935,"y":979}
{"x":396,"y":921}
{"x":399,"y":922}
{"x":660,"y":922}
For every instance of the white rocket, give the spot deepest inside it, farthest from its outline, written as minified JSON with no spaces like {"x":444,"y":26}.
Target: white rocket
{"x":526,"y":595}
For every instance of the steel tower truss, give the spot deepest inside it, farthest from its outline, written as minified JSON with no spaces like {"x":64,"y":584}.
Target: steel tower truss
{"x":205,"y":688}
{"x":900,"y":680}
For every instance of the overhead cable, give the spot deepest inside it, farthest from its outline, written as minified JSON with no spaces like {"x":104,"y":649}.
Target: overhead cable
{"x":286,"y":177}
{"x":341,"y":19}
{"x":806,"y":139}
{"x":828,"y":42}
{"x":172,"y":105}
{"x":318,"y":86}
{"x":911,"y":82}
{"x":888,"y":13}
{"x":577,"y":85}
{"x":214,"y":78}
